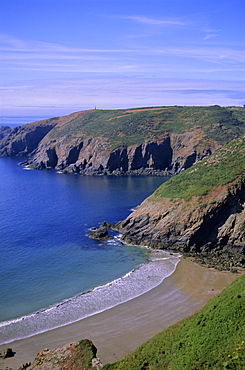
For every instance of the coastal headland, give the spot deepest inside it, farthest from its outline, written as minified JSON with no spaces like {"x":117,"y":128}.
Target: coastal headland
{"x":141,"y":141}
{"x":199,"y":212}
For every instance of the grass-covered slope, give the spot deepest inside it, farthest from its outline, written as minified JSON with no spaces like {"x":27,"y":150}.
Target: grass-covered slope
{"x":224,"y":167}
{"x":126,"y":141}
{"x":200,"y":211}
{"x":213,"y":338}
{"x":134,"y":126}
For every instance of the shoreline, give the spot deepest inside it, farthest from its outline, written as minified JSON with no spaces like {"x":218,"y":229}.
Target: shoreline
{"x":133,"y":284}
{"x":121,"y":329}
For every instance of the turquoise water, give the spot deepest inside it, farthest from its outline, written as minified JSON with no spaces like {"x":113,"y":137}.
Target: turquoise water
{"x":46,"y":258}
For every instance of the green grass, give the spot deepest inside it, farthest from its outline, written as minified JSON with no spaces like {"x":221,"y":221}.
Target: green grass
{"x":222,"y":168}
{"x":213,"y":338}
{"x":134,"y":126}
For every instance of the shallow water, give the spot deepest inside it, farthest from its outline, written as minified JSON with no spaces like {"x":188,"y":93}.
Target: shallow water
{"x":46,"y":257}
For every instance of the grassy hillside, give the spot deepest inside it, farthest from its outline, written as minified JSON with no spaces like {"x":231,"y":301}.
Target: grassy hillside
{"x":213,"y":338}
{"x":225,"y":166}
{"x":134,"y":126}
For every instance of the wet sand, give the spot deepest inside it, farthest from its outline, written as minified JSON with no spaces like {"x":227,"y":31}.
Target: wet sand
{"x":119,"y":330}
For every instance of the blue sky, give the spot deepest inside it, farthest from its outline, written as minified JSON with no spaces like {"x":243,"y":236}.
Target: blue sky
{"x":61,"y":56}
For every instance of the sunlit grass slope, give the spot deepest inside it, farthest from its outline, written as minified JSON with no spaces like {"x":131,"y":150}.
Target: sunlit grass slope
{"x":225,"y":166}
{"x":213,"y":338}
{"x":134,"y":126}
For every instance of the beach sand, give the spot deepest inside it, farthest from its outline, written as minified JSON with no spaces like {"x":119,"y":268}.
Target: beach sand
{"x":119,"y":330}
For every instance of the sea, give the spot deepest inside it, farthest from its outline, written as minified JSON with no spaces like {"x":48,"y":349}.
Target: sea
{"x":51,"y":272}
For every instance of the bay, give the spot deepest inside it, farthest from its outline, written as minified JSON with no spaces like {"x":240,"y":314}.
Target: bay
{"x":46,"y":255}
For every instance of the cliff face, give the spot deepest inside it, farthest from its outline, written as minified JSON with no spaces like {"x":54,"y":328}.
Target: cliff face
{"x":169,"y":224}
{"x":23,"y":140}
{"x":91,"y":156}
{"x":4,"y":131}
{"x":162,"y":140}
{"x":207,"y":222}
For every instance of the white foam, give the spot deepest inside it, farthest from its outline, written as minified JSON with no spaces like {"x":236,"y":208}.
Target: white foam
{"x":131,"y":285}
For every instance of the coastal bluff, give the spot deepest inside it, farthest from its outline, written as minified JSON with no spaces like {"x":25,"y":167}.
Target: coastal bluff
{"x":199,"y":212}
{"x":141,"y":141}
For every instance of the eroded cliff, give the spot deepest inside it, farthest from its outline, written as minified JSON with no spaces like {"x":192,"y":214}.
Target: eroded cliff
{"x":141,"y":141}
{"x":22,"y":140}
{"x":200,"y":211}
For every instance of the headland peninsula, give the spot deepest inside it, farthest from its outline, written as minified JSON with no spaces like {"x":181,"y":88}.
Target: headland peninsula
{"x":199,"y":212}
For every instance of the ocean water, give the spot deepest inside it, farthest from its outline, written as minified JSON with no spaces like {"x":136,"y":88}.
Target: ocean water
{"x":51,"y":273}
{"x":13,"y":121}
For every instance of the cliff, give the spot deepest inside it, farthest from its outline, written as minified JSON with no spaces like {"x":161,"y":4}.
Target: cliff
{"x":199,"y":212}
{"x":22,"y":140}
{"x":161,"y":140}
{"x":4,"y":131}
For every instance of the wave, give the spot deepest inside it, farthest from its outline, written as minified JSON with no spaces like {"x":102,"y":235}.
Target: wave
{"x":135,"y":283}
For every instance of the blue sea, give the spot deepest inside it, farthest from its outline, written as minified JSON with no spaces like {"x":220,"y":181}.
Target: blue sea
{"x":13,"y":121}
{"x":51,"y":272}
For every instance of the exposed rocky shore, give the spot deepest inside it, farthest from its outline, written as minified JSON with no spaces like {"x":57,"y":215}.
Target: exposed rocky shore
{"x":167,"y":156}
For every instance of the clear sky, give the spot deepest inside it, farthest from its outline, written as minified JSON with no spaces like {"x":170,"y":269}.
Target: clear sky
{"x":61,"y":56}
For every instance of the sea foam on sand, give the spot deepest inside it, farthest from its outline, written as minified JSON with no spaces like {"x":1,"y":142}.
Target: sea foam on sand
{"x":133,"y":284}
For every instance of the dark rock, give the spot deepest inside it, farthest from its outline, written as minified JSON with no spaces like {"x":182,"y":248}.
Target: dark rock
{"x":159,"y":157}
{"x":100,"y":234}
{"x":214,"y":235}
{"x":4,"y":131}
{"x":23,"y":140}
{"x":7,"y":352}
{"x":25,"y":366}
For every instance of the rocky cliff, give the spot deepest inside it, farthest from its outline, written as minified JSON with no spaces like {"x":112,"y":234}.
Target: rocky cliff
{"x":4,"y":131}
{"x":200,"y":212}
{"x":23,"y":140}
{"x":161,"y":140}
{"x":170,"y":154}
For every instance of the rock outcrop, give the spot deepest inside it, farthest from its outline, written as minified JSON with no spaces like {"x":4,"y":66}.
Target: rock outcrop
{"x":22,"y":140}
{"x":212,"y":232}
{"x":7,"y":352}
{"x":73,"y":356}
{"x":4,"y":131}
{"x":209,"y":226}
{"x":89,"y":156}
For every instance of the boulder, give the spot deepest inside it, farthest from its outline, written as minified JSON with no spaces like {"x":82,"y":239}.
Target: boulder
{"x":7,"y":352}
{"x":100,"y":234}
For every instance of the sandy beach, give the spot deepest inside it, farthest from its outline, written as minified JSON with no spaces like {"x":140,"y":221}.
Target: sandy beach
{"x":119,"y":330}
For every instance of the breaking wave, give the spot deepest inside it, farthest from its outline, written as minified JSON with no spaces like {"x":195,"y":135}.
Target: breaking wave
{"x":135,"y":283}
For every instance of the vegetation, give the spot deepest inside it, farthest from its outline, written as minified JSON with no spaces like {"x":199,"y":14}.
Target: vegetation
{"x":213,"y":338}
{"x":134,"y":126}
{"x":77,"y":355}
{"x":223,"y":167}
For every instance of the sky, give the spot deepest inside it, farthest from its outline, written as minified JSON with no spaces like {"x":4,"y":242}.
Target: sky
{"x":63,"y":56}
